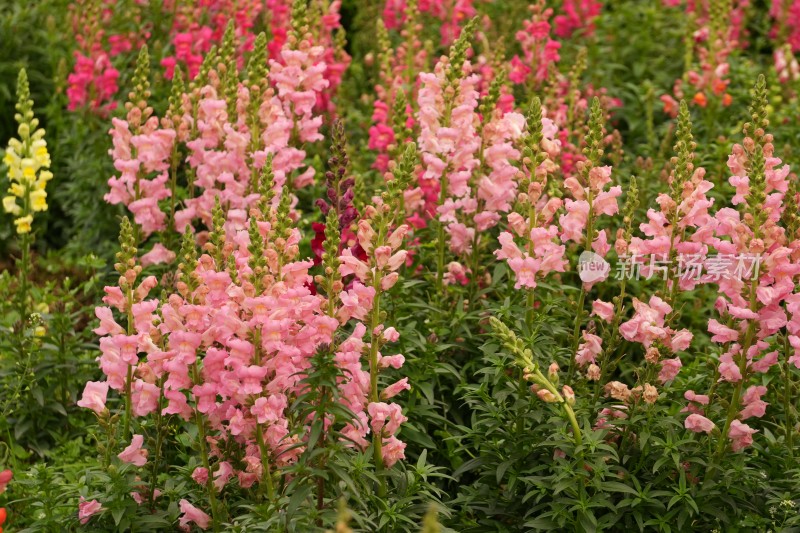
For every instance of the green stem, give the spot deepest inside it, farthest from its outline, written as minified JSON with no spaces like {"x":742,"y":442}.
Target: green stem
{"x":267,"y":471}
{"x":576,"y":332}
{"x":440,"y":239}
{"x":587,"y":246}
{"x":787,"y":399}
{"x":377,"y":437}
{"x":734,"y":405}
{"x":159,"y":441}
{"x":201,"y":438}
{"x":129,"y":377}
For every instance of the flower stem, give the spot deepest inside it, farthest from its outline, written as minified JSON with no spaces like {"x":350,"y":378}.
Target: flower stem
{"x":201,"y":438}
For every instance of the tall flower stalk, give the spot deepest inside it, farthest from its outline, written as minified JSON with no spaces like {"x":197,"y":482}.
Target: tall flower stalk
{"x":28,"y":162}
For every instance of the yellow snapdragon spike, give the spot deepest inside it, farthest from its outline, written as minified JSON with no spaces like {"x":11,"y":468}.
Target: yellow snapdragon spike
{"x":27,"y":160}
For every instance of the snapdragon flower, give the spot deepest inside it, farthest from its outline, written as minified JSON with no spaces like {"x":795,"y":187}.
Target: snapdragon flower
{"x":28,"y":162}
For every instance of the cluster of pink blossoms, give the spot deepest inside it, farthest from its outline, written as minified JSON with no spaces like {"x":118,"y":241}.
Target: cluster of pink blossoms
{"x":539,"y":50}
{"x":221,"y":148}
{"x":786,"y":14}
{"x":756,"y":307}
{"x":198,"y":26}
{"x":647,"y":327}
{"x":232,"y":347}
{"x":469,"y":161}
{"x":578,"y":15}
{"x":588,"y":203}
{"x":93,"y":80}
{"x":449,"y":146}
{"x":451,"y":13}
{"x":541,"y":252}
{"x":676,"y":227}
{"x":142,"y":157}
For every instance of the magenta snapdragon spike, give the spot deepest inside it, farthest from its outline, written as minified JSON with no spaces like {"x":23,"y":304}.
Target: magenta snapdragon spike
{"x":93,"y":82}
{"x":540,"y":51}
{"x":451,"y":13}
{"x":197,"y":26}
{"x":395,"y":92}
{"x":785,"y":30}
{"x":578,"y":16}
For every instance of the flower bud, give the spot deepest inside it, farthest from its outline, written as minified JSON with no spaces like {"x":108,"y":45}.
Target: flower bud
{"x":546,"y":396}
{"x":552,"y":372}
{"x":568,"y":394}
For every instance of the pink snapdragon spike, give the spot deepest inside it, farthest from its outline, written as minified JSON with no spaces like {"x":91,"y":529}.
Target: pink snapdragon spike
{"x":590,"y":200}
{"x":539,"y":50}
{"x":677,"y":230}
{"x":378,"y":272}
{"x":540,"y":252}
{"x":449,"y":147}
{"x":754,"y":271}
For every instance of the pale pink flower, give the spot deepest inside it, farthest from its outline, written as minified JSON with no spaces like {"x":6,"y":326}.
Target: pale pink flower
{"x":191,"y":514}
{"x":604,"y":310}
{"x":669,"y":369}
{"x":698,"y":423}
{"x":134,"y":453}
{"x":87,"y":509}
{"x":741,"y":435}
{"x":94,"y":396}
{"x":393,"y":450}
